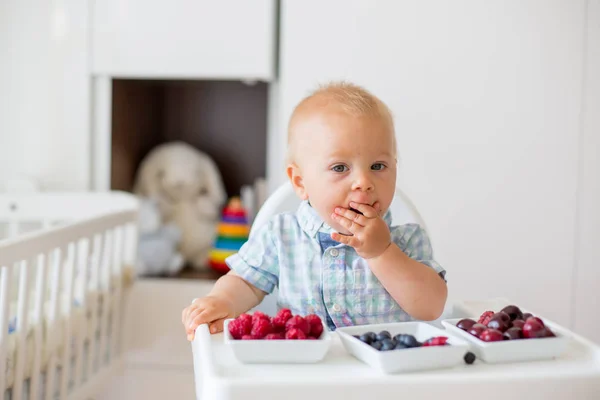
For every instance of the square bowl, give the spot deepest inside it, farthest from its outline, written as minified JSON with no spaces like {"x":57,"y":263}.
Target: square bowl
{"x":278,"y":351}
{"x":517,"y":350}
{"x":405,"y":360}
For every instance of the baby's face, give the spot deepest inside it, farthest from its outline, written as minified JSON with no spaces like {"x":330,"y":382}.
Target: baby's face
{"x":345,"y":159}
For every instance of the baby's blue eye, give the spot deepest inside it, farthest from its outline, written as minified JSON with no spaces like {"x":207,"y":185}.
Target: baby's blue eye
{"x":377,"y":167}
{"x":339,"y":168}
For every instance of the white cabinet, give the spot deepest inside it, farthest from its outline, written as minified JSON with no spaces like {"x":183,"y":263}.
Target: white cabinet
{"x":487,"y":101}
{"x":199,"y":39}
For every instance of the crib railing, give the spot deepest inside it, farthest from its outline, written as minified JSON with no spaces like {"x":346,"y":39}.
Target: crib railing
{"x":74,"y":260}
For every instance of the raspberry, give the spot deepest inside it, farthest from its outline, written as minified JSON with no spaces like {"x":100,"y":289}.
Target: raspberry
{"x":246,"y":321}
{"x":237,"y":329}
{"x":274,"y":336}
{"x":261,"y":328}
{"x":316,"y":325}
{"x":485,"y":317}
{"x":436,"y":341}
{"x":259,"y":315}
{"x":295,"y":334}
{"x":280,"y":319}
{"x":248,"y":337}
{"x":298,"y":322}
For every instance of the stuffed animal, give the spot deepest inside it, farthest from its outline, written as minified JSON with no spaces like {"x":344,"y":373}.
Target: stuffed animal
{"x":157,"y":243}
{"x":190,"y":193}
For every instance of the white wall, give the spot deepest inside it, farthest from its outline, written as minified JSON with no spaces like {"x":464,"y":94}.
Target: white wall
{"x":587,"y":267}
{"x":487,"y":98}
{"x":44,"y":86}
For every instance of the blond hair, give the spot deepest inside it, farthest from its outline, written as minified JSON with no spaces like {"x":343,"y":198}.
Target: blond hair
{"x":346,"y":97}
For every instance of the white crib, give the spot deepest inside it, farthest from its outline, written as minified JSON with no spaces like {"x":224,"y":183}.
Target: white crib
{"x":66,"y":261}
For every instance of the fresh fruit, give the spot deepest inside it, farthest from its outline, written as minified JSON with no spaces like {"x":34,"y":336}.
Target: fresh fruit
{"x":261,"y":328}
{"x":238,"y":328}
{"x":284,"y":325}
{"x":504,"y":316}
{"x":259,"y":315}
{"x":526,"y":315}
{"x":295,"y":334}
{"x":316,"y":325}
{"x":381,"y":336}
{"x":513,"y":311}
{"x":513,"y":333}
{"x":518,"y":323}
{"x":469,"y":358}
{"x":477,"y":329}
{"x":377,"y":345}
{"x":534,"y":329}
{"x":368,"y":337}
{"x":407,"y":340}
{"x":465,"y":324}
{"x":499,"y":322}
{"x":485,"y":317}
{"x":280,"y":319}
{"x":491,"y":335}
{"x":297,"y":322}
{"x":388,"y":344}
{"x":436,"y":341}
{"x":275,"y":336}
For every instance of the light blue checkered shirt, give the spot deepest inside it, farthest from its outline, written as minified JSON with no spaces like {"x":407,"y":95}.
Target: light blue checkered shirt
{"x":315,"y":274}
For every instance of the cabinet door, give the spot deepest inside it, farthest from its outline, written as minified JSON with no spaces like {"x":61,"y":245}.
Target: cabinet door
{"x":487,"y":103}
{"x":204,"y":39}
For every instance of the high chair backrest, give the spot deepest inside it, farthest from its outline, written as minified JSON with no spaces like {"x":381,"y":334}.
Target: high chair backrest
{"x":285,"y":199}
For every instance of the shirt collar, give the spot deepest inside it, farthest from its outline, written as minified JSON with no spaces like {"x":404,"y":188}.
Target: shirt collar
{"x":311,"y":222}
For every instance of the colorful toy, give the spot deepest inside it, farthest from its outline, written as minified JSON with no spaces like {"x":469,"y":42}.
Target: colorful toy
{"x":232,"y":233}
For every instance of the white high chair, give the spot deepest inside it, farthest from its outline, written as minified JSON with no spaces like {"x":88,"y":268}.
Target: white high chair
{"x":219,"y":376}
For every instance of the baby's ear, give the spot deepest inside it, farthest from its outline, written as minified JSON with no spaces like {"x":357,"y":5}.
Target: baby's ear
{"x":295,"y":175}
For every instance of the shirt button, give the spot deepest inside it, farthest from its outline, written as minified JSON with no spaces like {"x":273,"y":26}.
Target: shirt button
{"x":336,"y":308}
{"x":334,"y":252}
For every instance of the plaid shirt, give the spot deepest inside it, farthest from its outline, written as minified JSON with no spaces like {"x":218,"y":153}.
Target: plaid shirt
{"x":315,"y":274}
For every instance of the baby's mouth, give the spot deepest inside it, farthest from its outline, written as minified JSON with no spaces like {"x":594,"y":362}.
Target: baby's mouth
{"x":355,"y":210}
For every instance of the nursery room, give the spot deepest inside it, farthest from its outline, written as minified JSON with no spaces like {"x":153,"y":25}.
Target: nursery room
{"x":332,"y":199}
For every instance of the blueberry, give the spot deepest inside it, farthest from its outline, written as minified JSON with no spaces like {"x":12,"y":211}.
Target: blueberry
{"x":388,"y":344}
{"x":383,"y":335}
{"x":376,"y":345}
{"x":367,"y":338}
{"x":408,"y":340}
{"x":469,"y":358}
{"x":400,"y":346}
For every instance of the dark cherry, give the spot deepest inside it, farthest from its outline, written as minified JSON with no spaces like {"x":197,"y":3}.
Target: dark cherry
{"x":499,"y":323}
{"x":491,"y":335}
{"x":513,"y":312}
{"x":539,"y":321}
{"x":477,"y":329}
{"x":518,"y":323}
{"x":513,"y":333}
{"x":465,"y":324}
{"x":533,"y":329}
{"x":505,"y":317}
{"x":526,"y":315}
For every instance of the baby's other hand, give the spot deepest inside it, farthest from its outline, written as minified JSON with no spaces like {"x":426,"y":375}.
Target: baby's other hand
{"x":207,"y":310}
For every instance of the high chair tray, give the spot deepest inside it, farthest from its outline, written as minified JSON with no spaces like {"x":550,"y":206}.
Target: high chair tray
{"x":220,"y":376}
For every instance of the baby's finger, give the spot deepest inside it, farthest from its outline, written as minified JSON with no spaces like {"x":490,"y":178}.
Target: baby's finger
{"x":351,"y":215}
{"x":191,"y":317}
{"x":349,"y":240}
{"x":367,"y":210}
{"x":217,"y":326}
{"x":347,"y":223}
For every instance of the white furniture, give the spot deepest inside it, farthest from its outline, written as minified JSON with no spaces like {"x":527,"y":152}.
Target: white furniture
{"x":201,"y":39}
{"x":66,"y":261}
{"x":220,"y":376}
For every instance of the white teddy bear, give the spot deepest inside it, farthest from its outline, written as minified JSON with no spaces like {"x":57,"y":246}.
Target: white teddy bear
{"x":190,"y":193}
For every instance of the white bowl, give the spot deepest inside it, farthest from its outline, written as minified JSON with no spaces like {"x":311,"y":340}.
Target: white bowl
{"x":405,"y":360}
{"x":514,"y":350}
{"x":278,"y":351}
